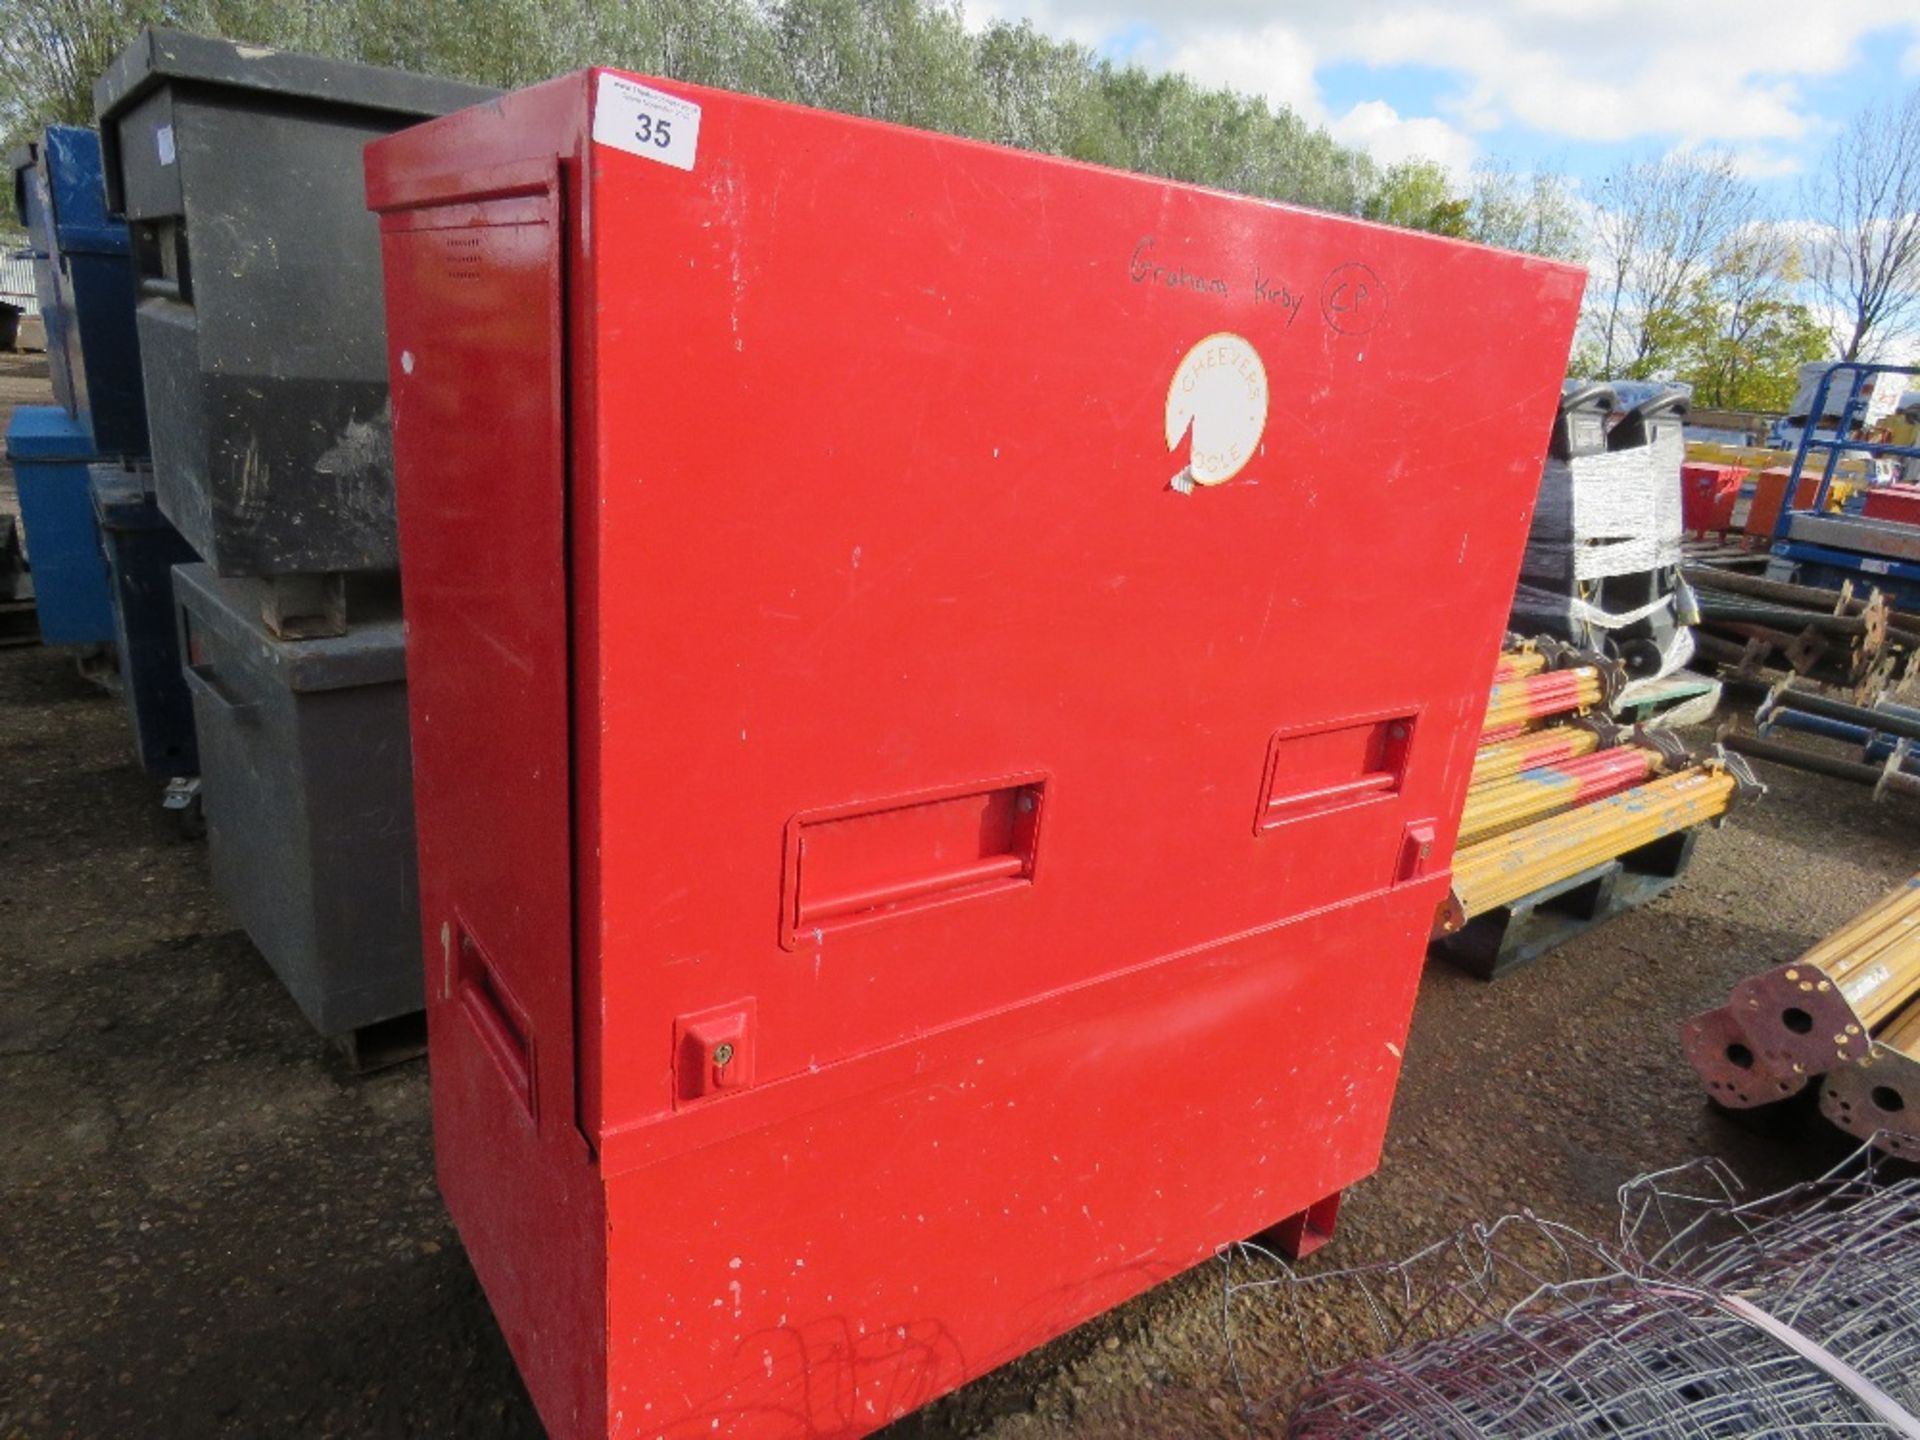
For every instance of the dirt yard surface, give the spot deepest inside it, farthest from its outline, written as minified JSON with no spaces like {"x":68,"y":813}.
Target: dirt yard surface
{"x":208,"y":1227}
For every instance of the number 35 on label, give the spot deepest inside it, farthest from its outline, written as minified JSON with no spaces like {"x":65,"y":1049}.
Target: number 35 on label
{"x":643,"y":121}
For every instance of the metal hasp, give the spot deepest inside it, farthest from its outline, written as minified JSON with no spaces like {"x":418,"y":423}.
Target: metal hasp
{"x":307,"y":790}
{"x":141,"y":550}
{"x":260,"y":317}
{"x":902,"y":868}
{"x":49,"y":452}
{"x":1826,"y":549}
{"x":85,"y":281}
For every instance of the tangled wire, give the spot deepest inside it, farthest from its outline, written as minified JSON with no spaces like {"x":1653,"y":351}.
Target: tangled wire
{"x":1795,"y":1315}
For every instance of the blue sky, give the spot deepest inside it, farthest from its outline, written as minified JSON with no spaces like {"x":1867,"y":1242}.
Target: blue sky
{"x":1573,"y":85}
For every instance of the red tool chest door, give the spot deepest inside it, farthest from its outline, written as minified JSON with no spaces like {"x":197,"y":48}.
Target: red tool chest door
{"x":1002,"y":575}
{"x":479,"y":285}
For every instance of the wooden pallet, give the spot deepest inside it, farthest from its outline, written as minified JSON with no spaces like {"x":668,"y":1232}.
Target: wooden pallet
{"x":1491,"y":945}
{"x":384,"y":1043}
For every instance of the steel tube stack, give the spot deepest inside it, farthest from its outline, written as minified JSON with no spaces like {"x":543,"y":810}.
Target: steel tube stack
{"x":1516,"y":703}
{"x":1882,"y":717}
{"x":1749,"y":623}
{"x":1887,"y":734}
{"x":1904,"y":627}
{"x":1529,"y":859}
{"x":1520,"y":663}
{"x":1887,"y":778}
{"x":1506,"y":758}
{"x":1848,"y":1009}
{"x":1540,"y":791}
{"x":1878,"y":1099}
{"x":1562,"y":799}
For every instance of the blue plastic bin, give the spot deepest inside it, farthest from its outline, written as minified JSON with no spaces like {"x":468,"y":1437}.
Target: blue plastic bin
{"x":142,"y":549}
{"x":50,"y":451}
{"x":85,"y":277}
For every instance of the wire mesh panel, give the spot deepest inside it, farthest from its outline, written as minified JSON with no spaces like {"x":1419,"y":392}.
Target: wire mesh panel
{"x":1795,"y":1315}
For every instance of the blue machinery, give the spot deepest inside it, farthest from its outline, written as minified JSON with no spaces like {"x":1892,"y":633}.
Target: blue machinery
{"x":1828,"y":550}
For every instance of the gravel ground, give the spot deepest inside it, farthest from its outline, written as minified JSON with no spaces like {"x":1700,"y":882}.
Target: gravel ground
{"x":208,"y":1227}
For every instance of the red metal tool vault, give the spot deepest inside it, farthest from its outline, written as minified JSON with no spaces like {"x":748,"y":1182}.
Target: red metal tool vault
{"x":943,"y":683}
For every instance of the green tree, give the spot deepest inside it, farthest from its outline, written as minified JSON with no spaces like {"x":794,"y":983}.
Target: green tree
{"x":909,"y":61}
{"x":1041,"y":94}
{"x":1419,"y":195}
{"x":1864,"y":200}
{"x":1532,"y":211}
{"x":50,"y":53}
{"x":1737,"y":334}
{"x":1657,"y":230}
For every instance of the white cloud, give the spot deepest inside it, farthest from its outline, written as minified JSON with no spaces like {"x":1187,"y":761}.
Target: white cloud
{"x":1273,"y":62}
{"x":1754,"y":162}
{"x":1709,"y":72}
{"x":1757,"y":162}
{"x":1380,"y":130}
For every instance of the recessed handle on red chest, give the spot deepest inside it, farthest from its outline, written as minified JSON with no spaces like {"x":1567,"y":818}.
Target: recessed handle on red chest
{"x":1000,"y":867}
{"x":1373,"y":783}
{"x":855,"y":864}
{"x":497,"y":1020}
{"x":1319,"y":769}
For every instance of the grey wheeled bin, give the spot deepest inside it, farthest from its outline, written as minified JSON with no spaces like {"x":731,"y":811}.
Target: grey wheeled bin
{"x":261,"y":320}
{"x":307,"y":784}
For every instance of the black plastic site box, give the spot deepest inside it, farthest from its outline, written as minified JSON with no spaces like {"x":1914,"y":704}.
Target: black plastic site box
{"x":307,"y":785}
{"x":262,"y":331}
{"x":141,"y":550}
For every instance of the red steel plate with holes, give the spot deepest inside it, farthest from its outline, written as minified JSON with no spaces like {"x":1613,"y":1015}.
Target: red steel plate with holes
{"x":860,"y":587}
